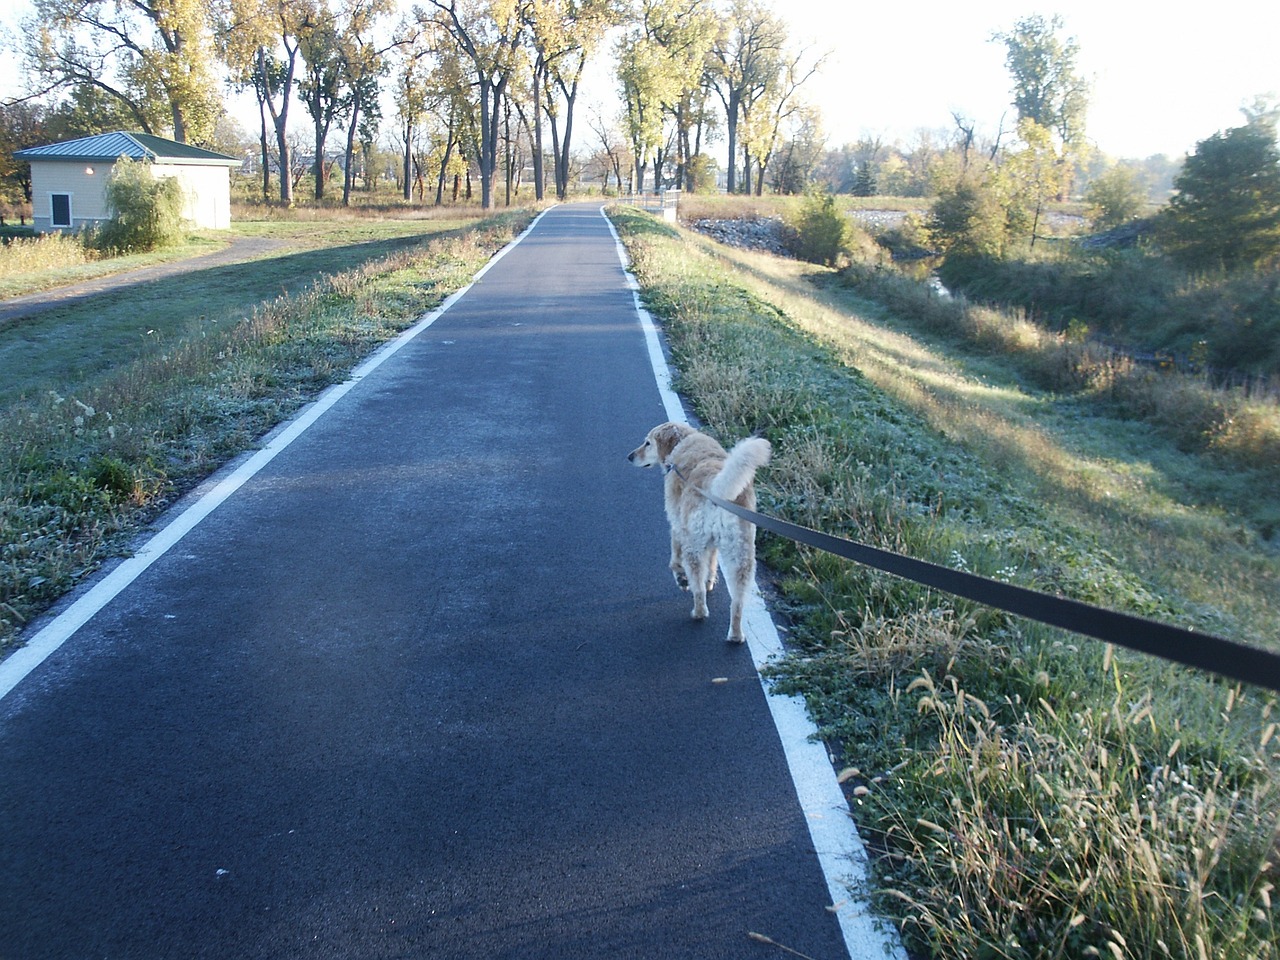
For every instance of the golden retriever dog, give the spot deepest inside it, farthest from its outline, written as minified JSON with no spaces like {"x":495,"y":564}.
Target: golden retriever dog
{"x":701,"y":532}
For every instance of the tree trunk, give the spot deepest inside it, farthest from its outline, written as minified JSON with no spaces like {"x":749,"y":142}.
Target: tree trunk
{"x":179,"y":123}
{"x":506,"y":130}
{"x":731,"y":117}
{"x":444,"y":169}
{"x":539,"y":179}
{"x":684,"y":172}
{"x":266,"y":153}
{"x":563,"y":155}
{"x":280,"y":120}
{"x":286,"y":163}
{"x":555,"y":152}
{"x":348,"y":176}
{"x":321,"y":169}
{"x":489,"y":121}
{"x":408,"y":153}
{"x":491,"y":126}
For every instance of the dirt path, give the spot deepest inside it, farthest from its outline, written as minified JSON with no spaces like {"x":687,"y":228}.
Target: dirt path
{"x":237,"y":251}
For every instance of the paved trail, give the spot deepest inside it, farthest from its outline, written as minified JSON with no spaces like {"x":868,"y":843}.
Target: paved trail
{"x":421,"y":687}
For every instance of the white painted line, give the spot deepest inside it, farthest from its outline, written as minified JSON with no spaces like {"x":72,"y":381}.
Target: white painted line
{"x":26,"y":658}
{"x":840,"y":850}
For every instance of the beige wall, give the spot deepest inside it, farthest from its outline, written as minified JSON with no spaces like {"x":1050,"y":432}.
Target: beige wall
{"x":207,"y":189}
{"x":208,"y":192}
{"x":87,"y":191}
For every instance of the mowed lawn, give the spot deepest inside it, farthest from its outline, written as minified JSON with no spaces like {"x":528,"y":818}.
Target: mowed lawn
{"x":63,"y":348}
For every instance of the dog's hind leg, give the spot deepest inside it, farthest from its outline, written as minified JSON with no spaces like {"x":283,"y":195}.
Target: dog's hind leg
{"x":738,"y":576}
{"x":696,"y":576}
{"x":713,"y":569}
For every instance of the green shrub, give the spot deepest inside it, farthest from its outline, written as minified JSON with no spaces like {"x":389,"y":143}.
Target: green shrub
{"x":968,"y":220}
{"x":1114,"y":198}
{"x":146,"y":211}
{"x":821,"y":230}
{"x":1226,"y":212}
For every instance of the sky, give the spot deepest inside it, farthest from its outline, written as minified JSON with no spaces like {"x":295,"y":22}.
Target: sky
{"x":1163,"y":77}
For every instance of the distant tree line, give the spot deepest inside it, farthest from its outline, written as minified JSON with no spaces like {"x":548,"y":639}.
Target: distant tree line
{"x":478,"y":91}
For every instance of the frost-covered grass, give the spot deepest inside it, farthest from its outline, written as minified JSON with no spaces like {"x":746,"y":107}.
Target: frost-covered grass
{"x":1028,"y":793}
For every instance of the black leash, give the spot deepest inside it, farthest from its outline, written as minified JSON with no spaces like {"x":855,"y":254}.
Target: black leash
{"x":1226,"y":658}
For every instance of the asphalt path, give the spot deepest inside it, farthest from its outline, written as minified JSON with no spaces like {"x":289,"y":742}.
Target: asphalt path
{"x":421,"y":686}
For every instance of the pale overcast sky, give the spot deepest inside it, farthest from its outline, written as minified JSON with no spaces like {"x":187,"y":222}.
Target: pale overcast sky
{"x":1164,"y":76}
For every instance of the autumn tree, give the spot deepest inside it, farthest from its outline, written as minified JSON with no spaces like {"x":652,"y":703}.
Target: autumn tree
{"x":661,"y":56}
{"x":413,"y":91}
{"x":642,"y":84}
{"x":454,"y":115}
{"x":261,"y":41}
{"x":695,"y":118}
{"x":565,"y":35}
{"x":770,"y":116}
{"x":322,"y":86}
{"x":1047,"y":87}
{"x":612,"y":152}
{"x":490,"y":35}
{"x":363,"y":63}
{"x":744,"y":63}
{"x":22,"y":125}
{"x":1029,"y":178}
{"x":800,"y":154}
{"x":154,"y":56}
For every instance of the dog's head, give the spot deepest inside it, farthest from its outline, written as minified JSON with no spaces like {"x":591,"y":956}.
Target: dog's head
{"x":658,"y":444}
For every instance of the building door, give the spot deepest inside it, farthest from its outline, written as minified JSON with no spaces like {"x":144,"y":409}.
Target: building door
{"x":61,"y":203}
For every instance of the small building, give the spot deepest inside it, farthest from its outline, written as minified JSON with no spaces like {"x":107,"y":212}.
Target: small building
{"x":68,"y":180}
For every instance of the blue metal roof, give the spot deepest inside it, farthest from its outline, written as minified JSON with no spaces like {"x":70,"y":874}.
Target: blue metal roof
{"x":107,"y":147}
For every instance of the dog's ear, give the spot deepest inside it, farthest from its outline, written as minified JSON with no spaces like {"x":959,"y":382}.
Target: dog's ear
{"x":666,"y":436}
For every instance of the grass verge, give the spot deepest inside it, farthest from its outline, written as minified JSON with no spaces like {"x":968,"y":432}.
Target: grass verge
{"x":54,"y":260}
{"x":1028,"y":794}
{"x":32,"y":264}
{"x":97,"y":447}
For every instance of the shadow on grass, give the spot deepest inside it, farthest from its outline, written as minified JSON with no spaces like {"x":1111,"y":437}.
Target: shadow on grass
{"x":64,"y":346}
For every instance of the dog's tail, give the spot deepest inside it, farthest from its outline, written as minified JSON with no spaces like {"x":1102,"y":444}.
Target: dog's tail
{"x":740,"y":467}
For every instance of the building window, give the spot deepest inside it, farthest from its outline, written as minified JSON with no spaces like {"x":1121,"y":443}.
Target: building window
{"x":61,"y":203}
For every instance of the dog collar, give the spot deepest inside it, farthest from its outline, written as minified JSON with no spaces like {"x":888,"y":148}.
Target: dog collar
{"x":669,"y":467}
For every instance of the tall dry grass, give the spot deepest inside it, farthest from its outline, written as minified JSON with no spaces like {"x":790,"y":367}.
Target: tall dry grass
{"x":23,"y":255}
{"x":1238,"y":423}
{"x":1039,"y":832}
